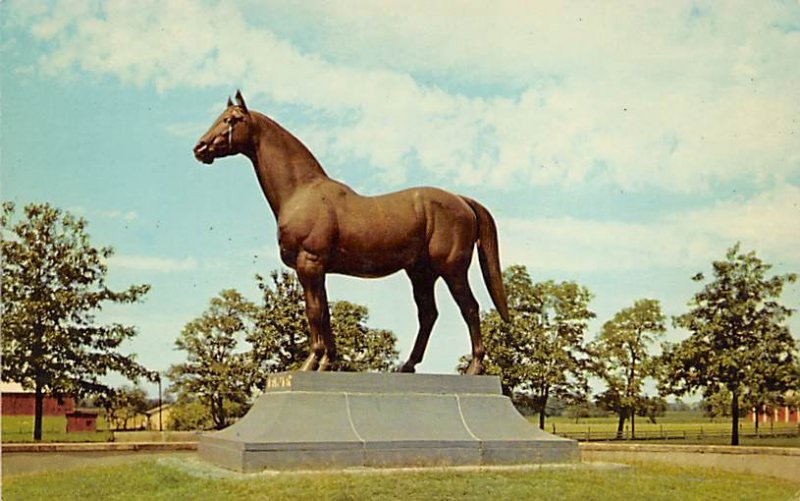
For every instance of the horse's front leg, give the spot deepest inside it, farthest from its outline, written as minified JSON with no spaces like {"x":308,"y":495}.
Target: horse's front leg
{"x":311,"y":273}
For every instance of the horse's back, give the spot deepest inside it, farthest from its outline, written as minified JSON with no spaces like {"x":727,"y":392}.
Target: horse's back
{"x":383,"y":234}
{"x":450,"y":224}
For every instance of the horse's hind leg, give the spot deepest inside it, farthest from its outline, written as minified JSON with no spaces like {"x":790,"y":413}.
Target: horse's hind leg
{"x":459,"y":287}
{"x":423,"y":285}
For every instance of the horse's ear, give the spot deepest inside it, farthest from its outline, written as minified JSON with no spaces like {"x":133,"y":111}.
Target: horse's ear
{"x":240,"y":100}
{"x":230,"y":103}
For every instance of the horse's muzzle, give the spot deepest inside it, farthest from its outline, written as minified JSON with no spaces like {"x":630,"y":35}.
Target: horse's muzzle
{"x":203,"y":153}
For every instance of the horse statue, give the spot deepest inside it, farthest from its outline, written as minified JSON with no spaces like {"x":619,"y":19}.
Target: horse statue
{"x":326,"y":227}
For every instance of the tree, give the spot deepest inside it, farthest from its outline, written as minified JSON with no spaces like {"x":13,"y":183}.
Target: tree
{"x":716,"y":402}
{"x":53,"y":284}
{"x":679,"y":406}
{"x":769,"y":378}
{"x":585,"y":409}
{"x":123,"y":404}
{"x":360,"y":347}
{"x":541,"y":351}
{"x":738,"y":337}
{"x":622,"y":360}
{"x":280,"y":337}
{"x":651,"y":408}
{"x":217,"y":370}
{"x":189,"y":413}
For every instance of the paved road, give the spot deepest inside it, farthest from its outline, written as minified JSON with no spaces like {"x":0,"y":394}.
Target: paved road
{"x":17,"y":463}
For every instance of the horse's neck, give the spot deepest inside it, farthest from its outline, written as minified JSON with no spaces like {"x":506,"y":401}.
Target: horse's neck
{"x":282,"y":163}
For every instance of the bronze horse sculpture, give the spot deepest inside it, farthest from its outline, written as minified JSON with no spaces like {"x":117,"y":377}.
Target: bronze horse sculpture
{"x":326,"y":227}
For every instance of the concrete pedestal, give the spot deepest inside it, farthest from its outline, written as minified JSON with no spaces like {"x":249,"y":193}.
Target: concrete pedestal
{"x":338,"y":419}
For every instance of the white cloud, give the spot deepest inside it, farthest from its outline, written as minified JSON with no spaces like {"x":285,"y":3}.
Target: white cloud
{"x":767,"y":223}
{"x":120,"y":214}
{"x":152,"y":264}
{"x":673,"y":96}
{"x":185,"y":130}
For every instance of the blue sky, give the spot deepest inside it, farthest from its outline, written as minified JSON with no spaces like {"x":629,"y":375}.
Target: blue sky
{"x":623,"y":146}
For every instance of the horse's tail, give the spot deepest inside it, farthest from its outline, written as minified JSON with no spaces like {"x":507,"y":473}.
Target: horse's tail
{"x":488,"y":254}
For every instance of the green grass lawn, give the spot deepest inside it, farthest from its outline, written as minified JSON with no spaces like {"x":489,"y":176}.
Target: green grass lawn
{"x":673,"y":421}
{"x":20,"y":429}
{"x":166,"y":480}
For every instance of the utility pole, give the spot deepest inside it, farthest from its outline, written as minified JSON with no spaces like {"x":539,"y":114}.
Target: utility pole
{"x":160,"y":427}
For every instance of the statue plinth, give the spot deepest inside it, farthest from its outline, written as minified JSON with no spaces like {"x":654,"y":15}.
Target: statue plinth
{"x":339,"y":419}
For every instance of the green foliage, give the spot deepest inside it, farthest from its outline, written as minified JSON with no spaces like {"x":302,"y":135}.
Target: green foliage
{"x":716,"y":403}
{"x":123,"y":404}
{"x":679,"y":405}
{"x":540,"y":352}
{"x":651,"y":408}
{"x":235,"y":345}
{"x":189,"y":414}
{"x":622,"y":360}
{"x":738,"y":338}
{"x":280,"y":337}
{"x":361,"y":348}
{"x":53,"y":284}
{"x":217,"y":370}
{"x":583,"y":410}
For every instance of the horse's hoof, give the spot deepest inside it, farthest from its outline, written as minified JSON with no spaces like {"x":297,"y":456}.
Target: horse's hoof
{"x":475,"y":369}
{"x":309,"y":365}
{"x":409,"y":369}
{"x":325,"y":364}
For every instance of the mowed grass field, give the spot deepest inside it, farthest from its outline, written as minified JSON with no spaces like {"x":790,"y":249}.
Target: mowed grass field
{"x":689,"y":421}
{"x":167,"y":480}
{"x":54,"y":429}
{"x":680,"y":427}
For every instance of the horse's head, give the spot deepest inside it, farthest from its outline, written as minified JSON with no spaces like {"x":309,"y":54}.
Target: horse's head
{"x":230,"y":133}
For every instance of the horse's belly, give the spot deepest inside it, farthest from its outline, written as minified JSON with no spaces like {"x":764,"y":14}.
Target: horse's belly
{"x":369,"y":265}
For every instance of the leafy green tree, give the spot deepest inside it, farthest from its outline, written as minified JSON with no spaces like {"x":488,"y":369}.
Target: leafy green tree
{"x":188,"y":413}
{"x":53,"y":285}
{"x":769,"y":379}
{"x":280,"y":338}
{"x":651,"y":408}
{"x":738,"y":335}
{"x":716,"y":403}
{"x":123,"y":404}
{"x":217,"y":370}
{"x":360,"y":347}
{"x":584,"y":409}
{"x":622,"y":360}
{"x":578,"y":411}
{"x":541,"y":351}
{"x":679,"y":406}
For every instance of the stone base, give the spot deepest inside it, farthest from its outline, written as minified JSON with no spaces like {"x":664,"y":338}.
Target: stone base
{"x":337,"y":420}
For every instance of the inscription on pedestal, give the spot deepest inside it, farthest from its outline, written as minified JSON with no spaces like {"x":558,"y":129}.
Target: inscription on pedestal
{"x":279,"y":381}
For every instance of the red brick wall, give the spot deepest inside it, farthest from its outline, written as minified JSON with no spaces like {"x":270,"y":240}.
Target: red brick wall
{"x":23,"y":404}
